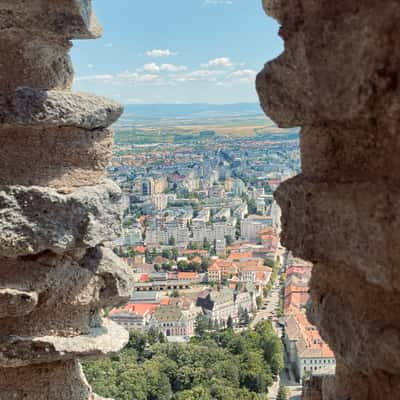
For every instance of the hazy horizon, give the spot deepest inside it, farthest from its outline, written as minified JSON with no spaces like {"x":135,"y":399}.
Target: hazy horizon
{"x":158,"y":52}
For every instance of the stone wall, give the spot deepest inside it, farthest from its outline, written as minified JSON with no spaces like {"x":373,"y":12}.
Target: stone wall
{"x":338,"y":79}
{"x":56,"y":207}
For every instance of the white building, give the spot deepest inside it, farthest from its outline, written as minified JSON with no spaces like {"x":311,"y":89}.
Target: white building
{"x":252,"y":225}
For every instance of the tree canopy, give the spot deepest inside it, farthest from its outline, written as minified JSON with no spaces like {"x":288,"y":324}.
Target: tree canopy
{"x":216,"y":365}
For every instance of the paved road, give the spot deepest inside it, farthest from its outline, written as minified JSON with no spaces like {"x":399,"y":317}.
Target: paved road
{"x":271,"y":304}
{"x":288,"y":380}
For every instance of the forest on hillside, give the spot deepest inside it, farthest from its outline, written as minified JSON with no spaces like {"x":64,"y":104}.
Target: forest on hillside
{"x":220,"y":365}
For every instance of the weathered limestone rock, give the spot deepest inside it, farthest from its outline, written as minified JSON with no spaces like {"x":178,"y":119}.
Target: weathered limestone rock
{"x":63,"y":158}
{"x":16,"y":302}
{"x":18,"y":351}
{"x":35,"y":219}
{"x":56,"y":208}
{"x":33,"y":61}
{"x":55,"y":108}
{"x":35,"y":35}
{"x":71,"y":291}
{"x":319,"y":388}
{"x":71,"y":19}
{"x":337,"y":79}
{"x":58,"y":380}
{"x":69,"y":145}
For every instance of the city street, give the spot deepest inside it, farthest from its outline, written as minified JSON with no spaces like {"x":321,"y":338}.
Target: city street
{"x":268,"y":312}
{"x":270,"y":304}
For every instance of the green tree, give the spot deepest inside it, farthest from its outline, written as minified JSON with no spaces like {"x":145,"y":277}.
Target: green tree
{"x":171,"y":241}
{"x":166,"y":254}
{"x":218,"y":365}
{"x":175,"y":293}
{"x":158,"y":385}
{"x":251,"y":204}
{"x":137,"y":341}
{"x":206,"y":244}
{"x":148,"y":256}
{"x":259,"y":302}
{"x":244,"y":317}
{"x":283,"y":393}
{"x":229,"y":240}
{"x":229,"y":322}
{"x":174,"y":253}
{"x":183,"y":265}
{"x":201,"y":325}
{"x":238,"y":229}
{"x":166,"y":267}
{"x":152,"y":335}
{"x":269,"y":263}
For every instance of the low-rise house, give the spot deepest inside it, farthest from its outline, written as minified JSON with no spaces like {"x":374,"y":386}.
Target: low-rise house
{"x":221,"y":269}
{"x":254,"y":271}
{"x":189,"y":276}
{"x":133,"y":316}
{"x":171,"y":320}
{"x":145,"y":297}
{"x":218,"y":304}
{"x":243,"y":301}
{"x":306,"y":351}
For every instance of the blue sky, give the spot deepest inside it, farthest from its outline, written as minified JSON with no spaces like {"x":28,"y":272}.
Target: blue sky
{"x":176,"y":51}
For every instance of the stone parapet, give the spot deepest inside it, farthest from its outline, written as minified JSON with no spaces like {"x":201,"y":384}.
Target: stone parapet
{"x":57,"y":210}
{"x":338,"y":80}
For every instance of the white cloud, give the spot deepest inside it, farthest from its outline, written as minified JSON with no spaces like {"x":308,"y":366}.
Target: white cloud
{"x":151,"y":67}
{"x":199,"y":75}
{"x":161,"y":53}
{"x":172,"y":75}
{"x":136,"y":77}
{"x":99,"y":77}
{"x":172,"y":68}
{"x":218,"y":2}
{"x":243,"y":75}
{"x":221,"y":62}
{"x":121,"y":78}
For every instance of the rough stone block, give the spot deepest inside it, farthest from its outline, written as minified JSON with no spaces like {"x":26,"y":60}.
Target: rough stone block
{"x":56,"y":381}
{"x":319,"y":387}
{"x":329,"y":72}
{"x":352,"y":224}
{"x":35,"y":219}
{"x":358,"y":319}
{"x":70,"y":292}
{"x":339,"y":154}
{"x":33,"y":62}
{"x":57,"y":108}
{"x":16,"y":302}
{"x":20,"y":351}
{"x":72,"y":19}
{"x":61,"y":158}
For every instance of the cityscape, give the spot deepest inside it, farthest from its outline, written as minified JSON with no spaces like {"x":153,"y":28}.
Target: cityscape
{"x":201,"y":232}
{"x":198,"y":200}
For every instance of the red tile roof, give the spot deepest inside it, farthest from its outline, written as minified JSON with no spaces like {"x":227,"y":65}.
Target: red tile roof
{"x":136,"y":308}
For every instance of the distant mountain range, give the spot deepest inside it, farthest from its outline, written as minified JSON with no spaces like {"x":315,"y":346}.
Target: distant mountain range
{"x":191,"y":110}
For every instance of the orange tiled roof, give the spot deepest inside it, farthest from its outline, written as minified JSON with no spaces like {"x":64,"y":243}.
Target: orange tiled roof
{"x":144,"y":278}
{"x":188,"y":275}
{"x":240,"y":256}
{"x":295,"y":301}
{"x":165,"y":301}
{"x":140,"y":249}
{"x":295,"y":289}
{"x":137,"y":308}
